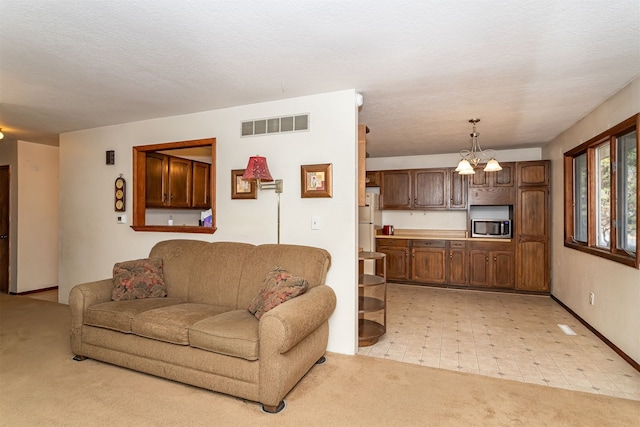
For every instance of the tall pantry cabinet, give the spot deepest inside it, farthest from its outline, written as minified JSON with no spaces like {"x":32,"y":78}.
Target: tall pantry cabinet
{"x":532,"y":228}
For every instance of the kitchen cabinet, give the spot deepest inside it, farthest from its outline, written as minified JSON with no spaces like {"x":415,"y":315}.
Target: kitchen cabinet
{"x":372,"y":300}
{"x":174,"y":182}
{"x":396,"y":189}
{"x":423,"y":189}
{"x":429,"y":261}
{"x":491,"y":265}
{"x":458,"y":264}
{"x":200,"y":185}
{"x":532,"y":227}
{"x":373,"y":178}
{"x":493,"y":188}
{"x":397,"y":258}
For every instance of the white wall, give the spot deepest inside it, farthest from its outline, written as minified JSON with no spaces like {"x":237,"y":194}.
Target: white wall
{"x":436,"y":220}
{"x":38,"y":216}
{"x":91,"y":241}
{"x":33,"y":215}
{"x":616,"y":312}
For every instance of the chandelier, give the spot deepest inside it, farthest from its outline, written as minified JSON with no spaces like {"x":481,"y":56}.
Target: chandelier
{"x":471,"y":158}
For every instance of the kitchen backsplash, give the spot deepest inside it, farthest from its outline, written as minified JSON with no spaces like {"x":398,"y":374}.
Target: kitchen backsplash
{"x":433,"y":220}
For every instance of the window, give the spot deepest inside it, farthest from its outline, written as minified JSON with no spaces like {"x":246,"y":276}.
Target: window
{"x":601,"y":194}
{"x":140,"y":202}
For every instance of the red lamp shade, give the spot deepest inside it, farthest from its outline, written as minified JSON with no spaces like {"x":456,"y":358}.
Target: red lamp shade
{"x":257,"y":169}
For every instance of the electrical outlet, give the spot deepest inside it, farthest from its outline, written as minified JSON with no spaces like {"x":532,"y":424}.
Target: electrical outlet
{"x":592,"y":298}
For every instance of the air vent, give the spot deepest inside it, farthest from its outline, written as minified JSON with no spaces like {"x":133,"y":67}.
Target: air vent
{"x":291,"y":123}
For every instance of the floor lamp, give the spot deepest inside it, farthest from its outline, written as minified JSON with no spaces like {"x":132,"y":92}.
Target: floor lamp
{"x":257,"y":170}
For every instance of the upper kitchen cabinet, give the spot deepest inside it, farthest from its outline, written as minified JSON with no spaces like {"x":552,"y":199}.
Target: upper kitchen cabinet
{"x":200,"y":179}
{"x":422,"y":189}
{"x":493,"y":188}
{"x":174,"y":182}
{"x":373,"y":179}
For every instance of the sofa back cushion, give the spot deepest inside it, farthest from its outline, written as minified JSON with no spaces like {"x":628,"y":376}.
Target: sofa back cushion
{"x":177,"y":256}
{"x":216,"y":272}
{"x":307,"y":262}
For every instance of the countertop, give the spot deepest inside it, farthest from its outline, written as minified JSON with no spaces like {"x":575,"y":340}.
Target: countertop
{"x":416,"y":234}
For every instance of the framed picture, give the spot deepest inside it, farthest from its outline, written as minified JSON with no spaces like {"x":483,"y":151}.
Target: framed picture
{"x":316,"y":180}
{"x":240,"y":188}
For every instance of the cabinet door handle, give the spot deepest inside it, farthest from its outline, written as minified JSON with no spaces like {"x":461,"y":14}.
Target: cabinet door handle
{"x":495,"y":259}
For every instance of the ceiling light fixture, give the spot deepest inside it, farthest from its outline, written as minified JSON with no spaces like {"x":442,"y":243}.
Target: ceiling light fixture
{"x":1,"y":134}
{"x":471,"y":158}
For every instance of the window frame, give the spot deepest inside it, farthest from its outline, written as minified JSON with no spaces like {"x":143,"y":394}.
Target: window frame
{"x":589,"y":148}
{"x":139,"y":186}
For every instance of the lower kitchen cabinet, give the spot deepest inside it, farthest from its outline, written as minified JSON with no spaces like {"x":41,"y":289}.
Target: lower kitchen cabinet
{"x":429,"y":261}
{"x":492,"y":264}
{"x":458,"y":263}
{"x":397,"y":252}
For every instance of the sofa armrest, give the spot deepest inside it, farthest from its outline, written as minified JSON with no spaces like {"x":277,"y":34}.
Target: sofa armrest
{"x":287,"y":324}
{"x":81,"y":297}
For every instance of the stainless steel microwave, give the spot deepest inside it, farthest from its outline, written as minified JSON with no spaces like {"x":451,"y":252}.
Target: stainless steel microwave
{"x":493,"y":228}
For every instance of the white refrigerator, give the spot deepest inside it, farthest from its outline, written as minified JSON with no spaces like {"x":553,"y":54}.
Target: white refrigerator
{"x":369,"y":220}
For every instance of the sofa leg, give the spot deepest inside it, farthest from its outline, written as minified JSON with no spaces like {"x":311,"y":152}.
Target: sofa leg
{"x":79,"y":358}
{"x":273,"y":409}
{"x":321,"y":361}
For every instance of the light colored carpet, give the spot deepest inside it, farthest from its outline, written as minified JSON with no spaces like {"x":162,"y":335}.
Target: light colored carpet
{"x":43,"y":386}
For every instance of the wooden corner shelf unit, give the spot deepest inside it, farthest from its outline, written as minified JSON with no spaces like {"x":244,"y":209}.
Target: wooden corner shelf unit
{"x":372,"y":299}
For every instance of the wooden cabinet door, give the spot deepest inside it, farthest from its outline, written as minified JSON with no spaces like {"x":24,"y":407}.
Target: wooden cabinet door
{"x":156,"y":169}
{"x":428,"y":265}
{"x":430,"y":188}
{"x":532,"y":227}
{"x":505,"y":177}
{"x":179,"y":182}
{"x":200,"y":183}
{"x":502,"y":269}
{"x":395,"y":189}
{"x":397,"y":262}
{"x":457,"y":273}
{"x":458,"y":189}
{"x":479,"y":267}
{"x":373,"y":179}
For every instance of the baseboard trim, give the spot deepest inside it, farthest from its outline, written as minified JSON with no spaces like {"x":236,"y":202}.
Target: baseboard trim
{"x":35,"y":291}
{"x":604,"y":339}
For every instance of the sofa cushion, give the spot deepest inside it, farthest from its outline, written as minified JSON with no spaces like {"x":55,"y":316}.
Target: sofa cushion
{"x":171,"y":324}
{"x":234,"y":333}
{"x":117,"y":315}
{"x":141,"y":278}
{"x":279,"y":286}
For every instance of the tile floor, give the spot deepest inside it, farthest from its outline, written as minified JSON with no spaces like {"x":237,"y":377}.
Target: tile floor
{"x":501,"y":335}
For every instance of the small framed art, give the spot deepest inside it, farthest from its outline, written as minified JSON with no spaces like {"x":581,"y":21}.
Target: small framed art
{"x":316,"y":180}
{"x":240,"y":188}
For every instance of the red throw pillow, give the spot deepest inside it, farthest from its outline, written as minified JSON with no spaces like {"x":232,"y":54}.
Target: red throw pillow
{"x":279,"y":286}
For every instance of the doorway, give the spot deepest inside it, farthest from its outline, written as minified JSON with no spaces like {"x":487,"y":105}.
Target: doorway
{"x":4,"y":229}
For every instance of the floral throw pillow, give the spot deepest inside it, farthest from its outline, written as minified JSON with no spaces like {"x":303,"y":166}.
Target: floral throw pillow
{"x":141,"y":278}
{"x":279,"y":286}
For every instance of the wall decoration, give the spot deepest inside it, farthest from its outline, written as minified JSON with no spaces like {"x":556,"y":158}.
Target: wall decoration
{"x":120,"y":189}
{"x":240,"y":188}
{"x":316,"y":180}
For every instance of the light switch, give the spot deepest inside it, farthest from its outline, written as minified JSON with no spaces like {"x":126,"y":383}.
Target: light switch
{"x":315,"y":223}
{"x":121,"y":219}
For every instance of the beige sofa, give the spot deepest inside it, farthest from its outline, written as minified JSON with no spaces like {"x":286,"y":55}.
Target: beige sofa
{"x":201,"y":333}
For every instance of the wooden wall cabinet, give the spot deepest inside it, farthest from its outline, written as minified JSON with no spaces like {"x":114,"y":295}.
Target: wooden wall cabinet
{"x":493,"y":188}
{"x":492,"y":265}
{"x":174,"y":182}
{"x":532,"y":227}
{"x":423,"y":189}
{"x":397,"y":260}
{"x":373,"y":179}
{"x":429,"y":261}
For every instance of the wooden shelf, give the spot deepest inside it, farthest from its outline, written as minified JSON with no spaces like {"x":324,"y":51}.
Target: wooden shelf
{"x":372,"y":298}
{"x":369,"y":332}
{"x":369,"y":304}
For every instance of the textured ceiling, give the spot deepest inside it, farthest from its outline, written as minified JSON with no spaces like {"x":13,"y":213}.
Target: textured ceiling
{"x":528,"y":69}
